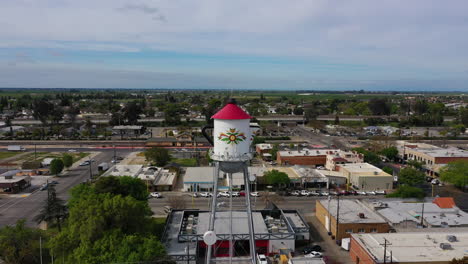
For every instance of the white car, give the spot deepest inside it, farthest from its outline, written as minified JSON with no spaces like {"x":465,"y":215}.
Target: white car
{"x":155,"y":195}
{"x":84,"y":163}
{"x":235,"y":194}
{"x":223,"y":194}
{"x":295,"y":193}
{"x":324,"y":194}
{"x":380,"y":192}
{"x":261,"y":259}
{"x":435,"y":181}
{"x":305,"y":193}
{"x":72,"y":150}
{"x":313,"y":254}
{"x":115,"y":161}
{"x":205,"y":194}
{"x":255,"y":194}
{"x":371,"y":193}
{"x":361,"y":193}
{"x":314,"y":193}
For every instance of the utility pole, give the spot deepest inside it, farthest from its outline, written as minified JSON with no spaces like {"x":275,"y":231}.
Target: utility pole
{"x":337,"y":216}
{"x":35,"y":152}
{"x":114,"y":153}
{"x":90,"y":169}
{"x":422,"y":216}
{"x":40,"y":248}
{"x":385,"y":250}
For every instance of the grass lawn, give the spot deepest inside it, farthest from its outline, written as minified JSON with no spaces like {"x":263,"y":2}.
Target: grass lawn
{"x":4,"y":155}
{"x":42,"y":155}
{"x":192,"y":162}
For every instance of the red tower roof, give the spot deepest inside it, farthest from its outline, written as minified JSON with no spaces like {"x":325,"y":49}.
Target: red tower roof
{"x":231,"y":111}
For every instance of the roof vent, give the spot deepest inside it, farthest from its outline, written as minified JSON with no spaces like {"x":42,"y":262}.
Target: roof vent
{"x":8,"y":177}
{"x":376,"y":173}
{"x":362,"y":215}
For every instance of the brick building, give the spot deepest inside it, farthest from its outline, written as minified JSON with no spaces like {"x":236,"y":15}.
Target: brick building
{"x":433,"y":158}
{"x":354,"y":217}
{"x":315,"y":157}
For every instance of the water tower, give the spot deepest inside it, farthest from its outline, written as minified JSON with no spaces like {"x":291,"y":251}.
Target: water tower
{"x":231,"y":153}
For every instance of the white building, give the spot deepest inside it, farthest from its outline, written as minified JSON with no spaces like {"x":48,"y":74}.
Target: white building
{"x":124,"y":170}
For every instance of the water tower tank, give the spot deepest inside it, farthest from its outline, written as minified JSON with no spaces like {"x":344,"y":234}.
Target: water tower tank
{"x":232,"y":135}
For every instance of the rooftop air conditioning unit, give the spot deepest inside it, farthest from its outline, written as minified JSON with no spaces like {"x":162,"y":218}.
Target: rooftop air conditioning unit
{"x":8,"y":177}
{"x":362,"y":215}
{"x":445,"y":246}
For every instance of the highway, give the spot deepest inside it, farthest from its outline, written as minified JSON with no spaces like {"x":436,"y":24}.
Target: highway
{"x":28,"y":204}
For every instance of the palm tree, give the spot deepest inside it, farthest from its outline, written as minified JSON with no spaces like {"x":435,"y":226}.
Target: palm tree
{"x":54,"y":209}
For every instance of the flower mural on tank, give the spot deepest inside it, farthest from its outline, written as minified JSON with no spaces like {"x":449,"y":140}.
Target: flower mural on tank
{"x":233,"y":136}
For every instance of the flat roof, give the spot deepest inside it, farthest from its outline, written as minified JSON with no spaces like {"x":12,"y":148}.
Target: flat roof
{"x":14,"y":179}
{"x":442,"y":152}
{"x":124,"y":170}
{"x":239,"y":220}
{"x":264,"y":146}
{"x":350,"y":210}
{"x":399,"y":211}
{"x":366,"y":168}
{"x":165,"y":178}
{"x":306,"y":152}
{"x":414,"y":247}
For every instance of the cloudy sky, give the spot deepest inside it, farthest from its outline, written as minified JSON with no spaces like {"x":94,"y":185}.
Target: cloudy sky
{"x":245,"y":44}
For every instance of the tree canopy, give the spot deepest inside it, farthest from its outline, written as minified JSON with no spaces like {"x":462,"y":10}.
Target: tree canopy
{"x":158,"y":156}
{"x":67,"y":160}
{"x":277,"y":178}
{"x":408,"y":192}
{"x":390,"y":153}
{"x":125,"y":186}
{"x":411,"y":177}
{"x":104,"y":228}
{"x":369,"y":156}
{"x":56,"y":166}
{"x":456,"y":173}
{"x":20,"y":244}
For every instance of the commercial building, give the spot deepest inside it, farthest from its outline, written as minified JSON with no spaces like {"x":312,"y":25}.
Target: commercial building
{"x":127,"y":131}
{"x":159,"y":179}
{"x":352,"y":216}
{"x":183,"y":141}
{"x":439,"y":213}
{"x":315,"y":157}
{"x":409,"y":248}
{"x":339,"y":157}
{"x":11,"y":183}
{"x":274,"y":230}
{"x":263,"y":148}
{"x":365,"y":176}
{"x":433,"y":158}
{"x":124,"y":170}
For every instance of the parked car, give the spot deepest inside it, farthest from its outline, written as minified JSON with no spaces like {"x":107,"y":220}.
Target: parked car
{"x":223,"y":194}
{"x":333,"y":193}
{"x":305,"y":193}
{"x":44,"y":187}
{"x":155,"y":195}
{"x":324,"y":193}
{"x":381,"y":192}
{"x":205,"y":194}
{"x":435,"y":181}
{"x":344,"y":192}
{"x":353,"y":192}
{"x":84,"y":163}
{"x":235,"y":194}
{"x":114,"y":161}
{"x":295,"y":193}
{"x":255,"y":194}
{"x":308,"y":250}
{"x":313,"y":254}
{"x":241,"y":193}
{"x":314,"y":193}
{"x":195,"y":195}
{"x":371,"y":193}
{"x":361,"y":193}
{"x":261,"y":259}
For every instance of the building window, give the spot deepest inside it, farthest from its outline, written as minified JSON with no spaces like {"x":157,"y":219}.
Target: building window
{"x":361,"y":230}
{"x":373,"y":230}
{"x":349,"y":231}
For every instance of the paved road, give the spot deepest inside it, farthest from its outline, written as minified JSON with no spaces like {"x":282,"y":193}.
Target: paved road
{"x":28,"y":205}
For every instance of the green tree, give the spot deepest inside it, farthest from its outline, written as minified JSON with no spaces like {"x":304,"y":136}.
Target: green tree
{"x":20,"y":244}
{"x":54,"y":209}
{"x":276,"y":178}
{"x":408,"y":192}
{"x":56,"y":166}
{"x":415,"y":164}
{"x":388,"y":170}
{"x":456,"y":173}
{"x":158,"y":156}
{"x":105,"y":228}
{"x":274,"y":152}
{"x":369,"y":156}
{"x":125,"y":186}
{"x":391,"y":153}
{"x":172,"y":114}
{"x":67,"y":160}
{"x":409,"y":176}
{"x":379,"y":106}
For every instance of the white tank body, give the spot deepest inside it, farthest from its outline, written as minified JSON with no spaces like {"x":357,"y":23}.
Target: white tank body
{"x":232,"y":140}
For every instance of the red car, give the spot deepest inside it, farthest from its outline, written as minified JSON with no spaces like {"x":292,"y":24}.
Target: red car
{"x":241,"y":193}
